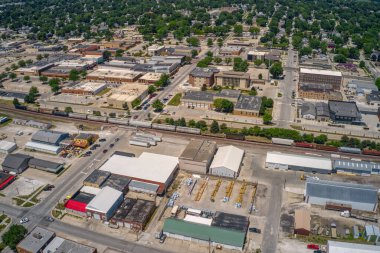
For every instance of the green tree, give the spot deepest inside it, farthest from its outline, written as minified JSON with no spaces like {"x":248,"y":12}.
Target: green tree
{"x":181,"y":122}
{"x":158,"y":105}
{"x":16,"y":102}
{"x":276,"y":70}
{"x":228,"y":60}
{"x":193,"y":41}
{"x":214,"y":128}
{"x":254,"y":30}
{"x":260,"y":76}
{"x":320,"y":139}
{"x":340,"y":58}
{"x":240,"y":65}
{"x":68,"y":109}
{"x":209,"y":42}
{"x":163,"y":81}
{"x":12,"y":75}
{"x":136,"y":102}
{"x":217,"y":60}
{"x":223,"y":105}
{"x":151,"y":89}
{"x":253,"y":92}
{"x":267,"y":118}
{"x":74,"y":75}
{"x":26,"y":78}
{"x":119,"y":53}
{"x":362,"y":64}
{"x":238,"y":30}
{"x":125,"y":106}
{"x":258,"y":62}
{"x":39,"y":57}
{"x":106,"y":55}
{"x":201,"y":125}
{"x":43,"y":78}
{"x":192,"y":123}
{"x":14,"y":235}
{"x":377,"y":82}
{"x":220,"y":42}
{"x":21,"y":63}
{"x":194,"y":53}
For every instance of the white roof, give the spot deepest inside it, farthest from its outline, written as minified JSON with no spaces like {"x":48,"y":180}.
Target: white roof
{"x":7,"y":145}
{"x":198,"y":220}
{"x":90,"y":190}
{"x":229,"y":157}
{"x":344,"y":247}
{"x":321,"y":72}
{"x":42,"y":146}
{"x":148,"y":166}
{"x":256,"y":53}
{"x":299,"y":160}
{"x":104,"y":200}
{"x":54,"y":245}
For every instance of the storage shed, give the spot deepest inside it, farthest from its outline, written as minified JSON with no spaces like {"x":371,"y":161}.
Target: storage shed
{"x":302,"y":221}
{"x":44,"y":165}
{"x":197,"y":156}
{"x":7,"y":147}
{"x":360,"y":197}
{"x":227,"y":162}
{"x":15,"y":163}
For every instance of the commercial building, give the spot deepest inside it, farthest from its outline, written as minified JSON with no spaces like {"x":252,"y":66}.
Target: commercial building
{"x":44,"y":165}
{"x":197,"y":156}
{"x":302,"y":221}
{"x":134,"y":213}
{"x":104,"y":204}
{"x":126,"y":94}
{"x":248,"y":106}
{"x":227,"y":161}
{"x":86,"y":88}
{"x":198,"y":99}
{"x":184,"y":51}
{"x":354,"y":167}
{"x":147,"y":169}
{"x":308,"y":111}
{"x":156,"y":50}
{"x":96,"y":178}
{"x":49,"y":137}
{"x":61,"y":245}
{"x":150,"y":78}
{"x":318,"y":91}
{"x":35,"y":241}
{"x":319,"y":76}
{"x":372,"y":233}
{"x":361,"y":87}
{"x":238,"y":80}
{"x":42,"y":147}
{"x":200,"y":77}
{"x":344,"y":112}
{"x":116,"y":182}
{"x":31,"y":123}
{"x":256,"y":55}
{"x":5,"y":179}
{"x":230,"y":50}
{"x":358,"y":196}
{"x":78,"y":202}
{"x":345,"y":247}
{"x":15,"y":163}
{"x":284,"y":161}
{"x":7,"y":147}
{"x":114,"y":75}
{"x":322,"y":111}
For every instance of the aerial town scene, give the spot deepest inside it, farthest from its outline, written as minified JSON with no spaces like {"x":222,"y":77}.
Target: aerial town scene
{"x":168,"y":126}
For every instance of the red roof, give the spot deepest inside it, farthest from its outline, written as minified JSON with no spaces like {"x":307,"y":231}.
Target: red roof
{"x":76,"y":205}
{"x":6,"y":182}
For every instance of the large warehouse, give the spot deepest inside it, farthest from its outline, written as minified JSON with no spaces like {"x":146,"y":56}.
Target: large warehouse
{"x":227,"y":162}
{"x":354,"y":167}
{"x":197,"y":156}
{"x":358,"y":196}
{"x":153,"y":169}
{"x":49,"y":137}
{"x":104,"y":204}
{"x":345,"y":247}
{"x":283,"y":161}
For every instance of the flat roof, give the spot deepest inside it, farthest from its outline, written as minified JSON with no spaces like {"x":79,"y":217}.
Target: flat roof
{"x":114,"y":72}
{"x":151,"y":76}
{"x":250,"y":103}
{"x":135,"y":210}
{"x":148,"y":166}
{"x":230,"y":221}
{"x":86,"y":86}
{"x":117,"y":182}
{"x":128,"y":92}
{"x":83,"y":197}
{"x":36,"y":240}
{"x":355,"y":165}
{"x":302,"y":218}
{"x":97,"y":177}
{"x":104,"y":200}
{"x":204,"y":72}
{"x":344,"y":108}
{"x":198,"y":219}
{"x":345,"y":247}
{"x":233,"y":74}
{"x":320,"y":72}
{"x":199,"y":96}
{"x":61,"y":245}
{"x":229,"y":157}
{"x":199,"y":150}
{"x":90,"y":190}
{"x":299,"y":160}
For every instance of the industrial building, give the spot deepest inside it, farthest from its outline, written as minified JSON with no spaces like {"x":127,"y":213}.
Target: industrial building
{"x":150,"y":78}
{"x":318,"y":91}
{"x":355,"y":167}
{"x":124,"y":96}
{"x":44,"y":165}
{"x":5,"y":179}
{"x":134,"y":213}
{"x":345,"y":247}
{"x":357,"y":196}
{"x":200,"y":77}
{"x":238,"y":80}
{"x":42,"y":147}
{"x":344,"y":112}
{"x":116,"y":182}
{"x":31,"y":123}
{"x":78,"y":202}
{"x":85,"y":88}
{"x":284,"y":161}
{"x":104,"y":204}
{"x":49,"y":137}
{"x":302,"y":221}
{"x":96,"y":178}
{"x":7,"y":147}
{"x":318,"y":76}
{"x":227,"y":161}
{"x":35,"y":241}
{"x":114,"y":75}
{"x":148,"y":169}
{"x":372,"y":233}
{"x":61,"y":245}
{"x":197,"y":156}
{"x":359,"y":87}
{"x":15,"y":163}
{"x":198,"y":99}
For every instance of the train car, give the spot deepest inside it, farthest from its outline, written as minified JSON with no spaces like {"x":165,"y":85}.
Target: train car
{"x":287,"y":142}
{"x":60,"y":113}
{"x":144,"y":124}
{"x":240,"y":137}
{"x":188,"y":130}
{"x":371,"y":152}
{"x":304,"y":145}
{"x":20,"y":107}
{"x":77,"y":115}
{"x":97,"y":118}
{"x":32,"y":109}
{"x":139,"y":143}
{"x":163,"y":127}
{"x":151,"y":141}
{"x":350,"y":150}
{"x":147,"y":135}
{"x":124,"y":121}
{"x":46,"y":110}
{"x":326,"y":148}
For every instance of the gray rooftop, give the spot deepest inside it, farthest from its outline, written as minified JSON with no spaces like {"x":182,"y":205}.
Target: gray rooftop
{"x":141,"y":185}
{"x":358,"y":84}
{"x":72,"y":247}
{"x":48,"y":136}
{"x":117,"y":182}
{"x":204,"y":72}
{"x":46,"y":165}
{"x":308,"y":108}
{"x":227,"y":93}
{"x":15,"y":160}
{"x":250,"y":103}
{"x":230,"y":221}
{"x":344,"y":109}
{"x":36,"y":240}
{"x":341,"y":191}
{"x":316,"y":87}
{"x":199,"y":150}
{"x":355,"y":165}
{"x":199,"y":95}
{"x":97,"y":177}
{"x":322,"y":109}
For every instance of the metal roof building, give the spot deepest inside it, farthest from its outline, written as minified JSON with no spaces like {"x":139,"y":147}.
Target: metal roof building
{"x":345,"y":247}
{"x":315,"y":164}
{"x":147,"y":168}
{"x":197,"y":156}
{"x":45,"y":165}
{"x":358,"y":196}
{"x":49,"y":137}
{"x":37,"y":240}
{"x":362,"y":168}
{"x":15,"y":163}
{"x":60,"y":245}
{"x":184,"y":230}
{"x":105,"y":203}
{"x":7,"y":147}
{"x":227,"y":161}
{"x":96,"y":178}
{"x":43,"y":147}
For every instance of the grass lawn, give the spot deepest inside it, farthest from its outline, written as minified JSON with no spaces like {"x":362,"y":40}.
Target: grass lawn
{"x":176,"y":100}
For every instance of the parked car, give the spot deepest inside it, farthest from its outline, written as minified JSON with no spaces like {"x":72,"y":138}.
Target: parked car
{"x":255,"y":230}
{"x":317,"y":251}
{"x":48,"y":218}
{"x":117,"y":139}
{"x":102,"y":140}
{"x":312,"y":246}
{"x":162,"y":239}
{"x":24,"y":220}
{"x":105,"y":151}
{"x":111,"y":145}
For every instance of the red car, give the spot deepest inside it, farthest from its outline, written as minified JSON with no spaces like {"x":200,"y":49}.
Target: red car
{"x":312,"y":246}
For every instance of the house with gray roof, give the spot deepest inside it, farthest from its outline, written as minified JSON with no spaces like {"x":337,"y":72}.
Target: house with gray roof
{"x":358,"y":196}
{"x":322,"y":111}
{"x":15,"y":163}
{"x":344,"y":112}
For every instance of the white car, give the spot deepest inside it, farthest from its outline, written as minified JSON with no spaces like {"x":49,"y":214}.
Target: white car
{"x":24,"y":220}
